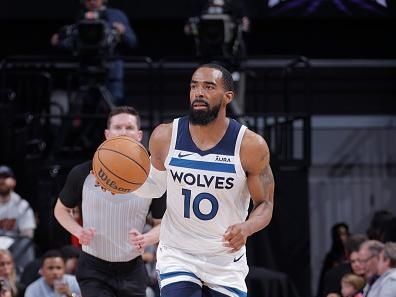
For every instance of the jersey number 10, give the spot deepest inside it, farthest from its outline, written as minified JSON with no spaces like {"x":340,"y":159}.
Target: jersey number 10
{"x":195,"y":205}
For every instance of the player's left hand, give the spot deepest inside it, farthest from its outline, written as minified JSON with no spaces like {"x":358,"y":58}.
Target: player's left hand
{"x":235,"y":237}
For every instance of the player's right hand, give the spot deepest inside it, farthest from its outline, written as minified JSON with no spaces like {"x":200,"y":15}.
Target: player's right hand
{"x":86,"y":235}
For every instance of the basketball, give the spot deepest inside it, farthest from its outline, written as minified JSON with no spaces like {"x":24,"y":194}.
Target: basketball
{"x":121,"y":164}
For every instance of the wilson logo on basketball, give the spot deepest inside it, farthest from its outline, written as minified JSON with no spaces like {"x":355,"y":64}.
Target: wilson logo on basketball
{"x":112,"y":184}
{"x":121,"y":164}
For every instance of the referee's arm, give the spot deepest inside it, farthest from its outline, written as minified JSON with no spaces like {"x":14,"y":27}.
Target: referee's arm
{"x":64,"y":216}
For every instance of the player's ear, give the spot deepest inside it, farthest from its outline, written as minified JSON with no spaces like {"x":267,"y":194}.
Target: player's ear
{"x":228,"y":96}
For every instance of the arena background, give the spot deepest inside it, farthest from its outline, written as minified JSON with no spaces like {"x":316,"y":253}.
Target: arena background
{"x":343,"y":150}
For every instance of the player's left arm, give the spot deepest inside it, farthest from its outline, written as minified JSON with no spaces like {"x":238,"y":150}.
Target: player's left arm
{"x":255,"y":161}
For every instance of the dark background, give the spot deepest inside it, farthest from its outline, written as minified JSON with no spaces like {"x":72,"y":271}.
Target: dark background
{"x":26,"y":28}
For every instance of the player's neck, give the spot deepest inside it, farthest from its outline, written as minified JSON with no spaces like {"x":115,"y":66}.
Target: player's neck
{"x":207,"y":136}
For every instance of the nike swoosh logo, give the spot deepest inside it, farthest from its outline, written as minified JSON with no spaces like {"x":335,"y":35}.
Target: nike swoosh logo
{"x":239,"y":258}
{"x":181,"y":155}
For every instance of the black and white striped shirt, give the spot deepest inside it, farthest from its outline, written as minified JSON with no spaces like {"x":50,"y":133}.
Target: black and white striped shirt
{"x":113,"y":216}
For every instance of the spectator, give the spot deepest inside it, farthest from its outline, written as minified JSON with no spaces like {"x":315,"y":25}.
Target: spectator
{"x":352,"y":285}
{"x":332,"y":279}
{"x":53,"y":280}
{"x":16,"y":215}
{"x":336,"y":255}
{"x":385,"y":286}
{"x":8,"y":272}
{"x":118,"y":21}
{"x":368,"y":257}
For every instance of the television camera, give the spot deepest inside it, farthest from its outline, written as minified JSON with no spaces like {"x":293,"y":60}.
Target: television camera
{"x":92,"y":39}
{"x":217,"y":33}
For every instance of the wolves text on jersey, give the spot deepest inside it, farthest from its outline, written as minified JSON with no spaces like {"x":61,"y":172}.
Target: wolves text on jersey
{"x":203,"y":180}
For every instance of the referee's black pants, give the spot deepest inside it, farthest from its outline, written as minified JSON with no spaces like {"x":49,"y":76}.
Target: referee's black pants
{"x":99,"y":278}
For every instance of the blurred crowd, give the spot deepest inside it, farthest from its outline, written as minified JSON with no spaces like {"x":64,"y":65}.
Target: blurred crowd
{"x":360,"y":265}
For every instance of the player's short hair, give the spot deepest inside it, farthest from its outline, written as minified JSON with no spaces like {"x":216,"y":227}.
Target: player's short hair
{"x":228,"y":81}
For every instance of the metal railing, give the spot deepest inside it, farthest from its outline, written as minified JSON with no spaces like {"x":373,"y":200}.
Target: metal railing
{"x":31,"y":81}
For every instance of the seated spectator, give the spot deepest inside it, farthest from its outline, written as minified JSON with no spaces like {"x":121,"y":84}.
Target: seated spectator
{"x":352,"y":285}
{"x":368,"y":257}
{"x":385,"y":285}
{"x":336,"y":255}
{"x":5,"y":289}
{"x":8,"y":272}
{"x":16,"y":215}
{"x":332,"y":279}
{"x":53,"y":279}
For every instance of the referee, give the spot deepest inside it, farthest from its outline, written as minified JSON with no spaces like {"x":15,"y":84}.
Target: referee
{"x":111,"y":263}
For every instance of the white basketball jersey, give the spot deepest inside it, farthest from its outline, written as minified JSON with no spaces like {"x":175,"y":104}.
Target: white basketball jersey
{"x":207,"y":190}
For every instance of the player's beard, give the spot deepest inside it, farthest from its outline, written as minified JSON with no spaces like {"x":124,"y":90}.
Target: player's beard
{"x":203,"y":117}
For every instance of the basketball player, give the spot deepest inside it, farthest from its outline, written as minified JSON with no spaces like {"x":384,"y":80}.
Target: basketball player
{"x":211,"y":166}
{"x":109,"y":264}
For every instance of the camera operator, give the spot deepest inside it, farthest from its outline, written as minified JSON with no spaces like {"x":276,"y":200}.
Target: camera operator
{"x":126,"y":37}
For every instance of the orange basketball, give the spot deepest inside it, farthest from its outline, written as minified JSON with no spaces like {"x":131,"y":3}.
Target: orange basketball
{"x":121,"y":164}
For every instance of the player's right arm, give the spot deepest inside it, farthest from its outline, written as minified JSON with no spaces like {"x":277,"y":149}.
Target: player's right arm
{"x":155,"y":184}
{"x":159,"y":145}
